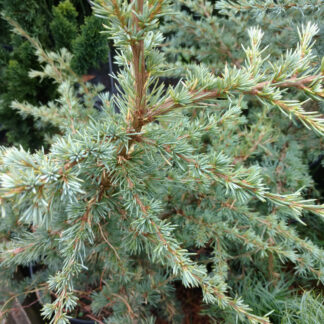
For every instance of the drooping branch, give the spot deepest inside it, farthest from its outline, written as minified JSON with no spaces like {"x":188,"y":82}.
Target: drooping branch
{"x":191,"y":273}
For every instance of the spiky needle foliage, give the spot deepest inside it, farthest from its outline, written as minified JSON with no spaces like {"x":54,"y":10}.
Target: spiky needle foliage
{"x":122,"y":202}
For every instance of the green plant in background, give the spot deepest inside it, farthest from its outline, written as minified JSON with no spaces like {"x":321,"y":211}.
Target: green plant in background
{"x":56,"y":24}
{"x":285,"y":303}
{"x":64,"y":27}
{"x":202,"y":184}
{"x":90,"y":47}
{"x":17,"y":60}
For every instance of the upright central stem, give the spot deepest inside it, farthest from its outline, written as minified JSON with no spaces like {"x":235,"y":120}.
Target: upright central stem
{"x":140,"y":74}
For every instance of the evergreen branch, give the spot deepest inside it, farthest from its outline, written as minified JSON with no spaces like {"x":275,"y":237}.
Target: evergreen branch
{"x":15,"y":186}
{"x":245,"y":81}
{"x":119,"y":14}
{"x":192,"y":275}
{"x":198,"y":97}
{"x":293,"y":82}
{"x":36,"y":44}
{"x":210,"y":289}
{"x":249,"y":182}
{"x":249,"y":238}
{"x":60,"y":68}
{"x":272,"y":224}
{"x":79,"y":232}
{"x":311,"y":119}
{"x":46,"y":113}
{"x":227,"y":6}
{"x":252,"y":183}
{"x":293,"y":201}
{"x":65,"y":300}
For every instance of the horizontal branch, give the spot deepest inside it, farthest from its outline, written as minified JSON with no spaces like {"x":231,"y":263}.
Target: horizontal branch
{"x":199,"y":96}
{"x":289,"y":83}
{"x":293,"y":201}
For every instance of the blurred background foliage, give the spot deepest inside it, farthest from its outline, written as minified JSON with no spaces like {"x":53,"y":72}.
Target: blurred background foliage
{"x":56,"y":24}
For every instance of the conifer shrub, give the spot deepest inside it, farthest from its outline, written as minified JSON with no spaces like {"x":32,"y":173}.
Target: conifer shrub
{"x":64,"y":27}
{"x":90,"y":47}
{"x":199,"y":185}
{"x":56,"y":24}
{"x":17,"y":59}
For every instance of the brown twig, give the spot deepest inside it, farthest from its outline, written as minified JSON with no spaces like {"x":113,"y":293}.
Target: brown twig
{"x":106,"y":240}
{"x":140,"y":74}
{"x":289,"y":83}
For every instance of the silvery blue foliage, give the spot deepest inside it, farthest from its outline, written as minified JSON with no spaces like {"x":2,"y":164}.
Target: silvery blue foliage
{"x":181,"y":185}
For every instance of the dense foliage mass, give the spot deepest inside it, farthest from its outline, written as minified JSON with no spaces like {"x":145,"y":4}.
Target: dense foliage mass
{"x":202,"y":184}
{"x":57,"y":24}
